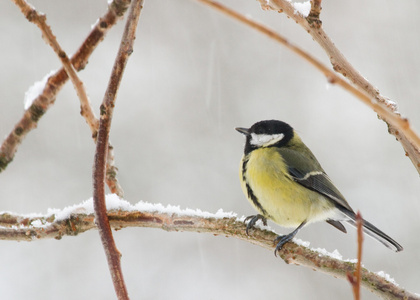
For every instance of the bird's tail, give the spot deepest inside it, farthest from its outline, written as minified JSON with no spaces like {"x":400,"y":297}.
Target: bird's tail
{"x":373,"y":231}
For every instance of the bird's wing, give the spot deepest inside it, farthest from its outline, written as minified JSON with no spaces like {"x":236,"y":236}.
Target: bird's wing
{"x":311,"y":175}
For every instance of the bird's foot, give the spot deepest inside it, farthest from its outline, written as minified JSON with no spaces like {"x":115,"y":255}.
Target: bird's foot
{"x":252,"y":220}
{"x":281,"y":240}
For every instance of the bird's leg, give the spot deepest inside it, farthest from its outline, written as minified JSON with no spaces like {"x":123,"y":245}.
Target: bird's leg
{"x":252,"y":220}
{"x":283,"y":239}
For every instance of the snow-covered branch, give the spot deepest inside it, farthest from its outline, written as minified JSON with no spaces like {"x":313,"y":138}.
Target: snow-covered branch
{"x":80,"y":218}
{"x":77,"y":219}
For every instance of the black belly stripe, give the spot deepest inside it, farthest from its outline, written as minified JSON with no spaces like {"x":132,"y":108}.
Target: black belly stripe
{"x":244,"y":163}
{"x":249,"y":190}
{"x":254,"y":199}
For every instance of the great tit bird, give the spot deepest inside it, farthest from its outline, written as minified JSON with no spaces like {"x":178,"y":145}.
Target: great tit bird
{"x":285,"y":183}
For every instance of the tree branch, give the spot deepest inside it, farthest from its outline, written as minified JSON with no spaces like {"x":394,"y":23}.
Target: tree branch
{"x":107,"y":108}
{"x":80,"y":218}
{"x":360,"y":87}
{"x":355,"y":277}
{"x":55,"y":82}
{"x":386,"y":109}
{"x":40,"y":20}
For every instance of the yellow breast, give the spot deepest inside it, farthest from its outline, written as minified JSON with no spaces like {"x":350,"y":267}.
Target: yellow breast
{"x":283,"y":200}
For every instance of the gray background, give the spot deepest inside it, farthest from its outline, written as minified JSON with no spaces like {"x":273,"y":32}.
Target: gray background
{"x":194,"y":76}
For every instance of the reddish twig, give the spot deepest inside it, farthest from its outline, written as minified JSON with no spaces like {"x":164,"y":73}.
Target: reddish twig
{"x":355,"y":277}
{"x":101,"y":218}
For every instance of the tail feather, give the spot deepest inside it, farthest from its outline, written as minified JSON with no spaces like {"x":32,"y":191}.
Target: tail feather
{"x":337,"y":225}
{"x":373,"y":231}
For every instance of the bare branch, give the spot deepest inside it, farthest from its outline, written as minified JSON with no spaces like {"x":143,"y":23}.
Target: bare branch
{"x":362,"y":88}
{"x":40,"y":20}
{"x":44,"y":101}
{"x":55,"y":82}
{"x":80,"y":219}
{"x":386,"y":109}
{"x":107,"y":107}
{"x":355,"y":277}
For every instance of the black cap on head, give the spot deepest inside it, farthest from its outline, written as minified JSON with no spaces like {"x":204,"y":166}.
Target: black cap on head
{"x":270,"y":127}
{"x":268,"y":133}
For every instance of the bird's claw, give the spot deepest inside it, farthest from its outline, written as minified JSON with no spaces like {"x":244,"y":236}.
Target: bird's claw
{"x":281,"y":240}
{"x":252,"y":220}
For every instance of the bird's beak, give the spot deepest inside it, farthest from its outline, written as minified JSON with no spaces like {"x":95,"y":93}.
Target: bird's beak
{"x":242,"y":130}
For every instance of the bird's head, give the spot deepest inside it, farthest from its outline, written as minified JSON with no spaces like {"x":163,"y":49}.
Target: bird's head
{"x":267,"y":133}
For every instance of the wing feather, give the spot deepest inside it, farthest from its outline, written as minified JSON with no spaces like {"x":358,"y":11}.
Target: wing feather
{"x":310,"y":174}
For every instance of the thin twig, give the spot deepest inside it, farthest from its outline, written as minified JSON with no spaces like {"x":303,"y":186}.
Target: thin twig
{"x":359,"y":222}
{"x":40,"y":20}
{"x":271,"y":34}
{"x":111,"y":173}
{"x":85,"y":106}
{"x":355,"y":277}
{"x":101,"y":218}
{"x":56,"y":81}
{"x":80,"y":219}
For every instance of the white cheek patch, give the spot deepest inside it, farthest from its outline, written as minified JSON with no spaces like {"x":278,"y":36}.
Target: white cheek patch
{"x":265,"y":140}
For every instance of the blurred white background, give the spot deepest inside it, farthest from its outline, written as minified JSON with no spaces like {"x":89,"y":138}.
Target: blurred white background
{"x":194,"y":76}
